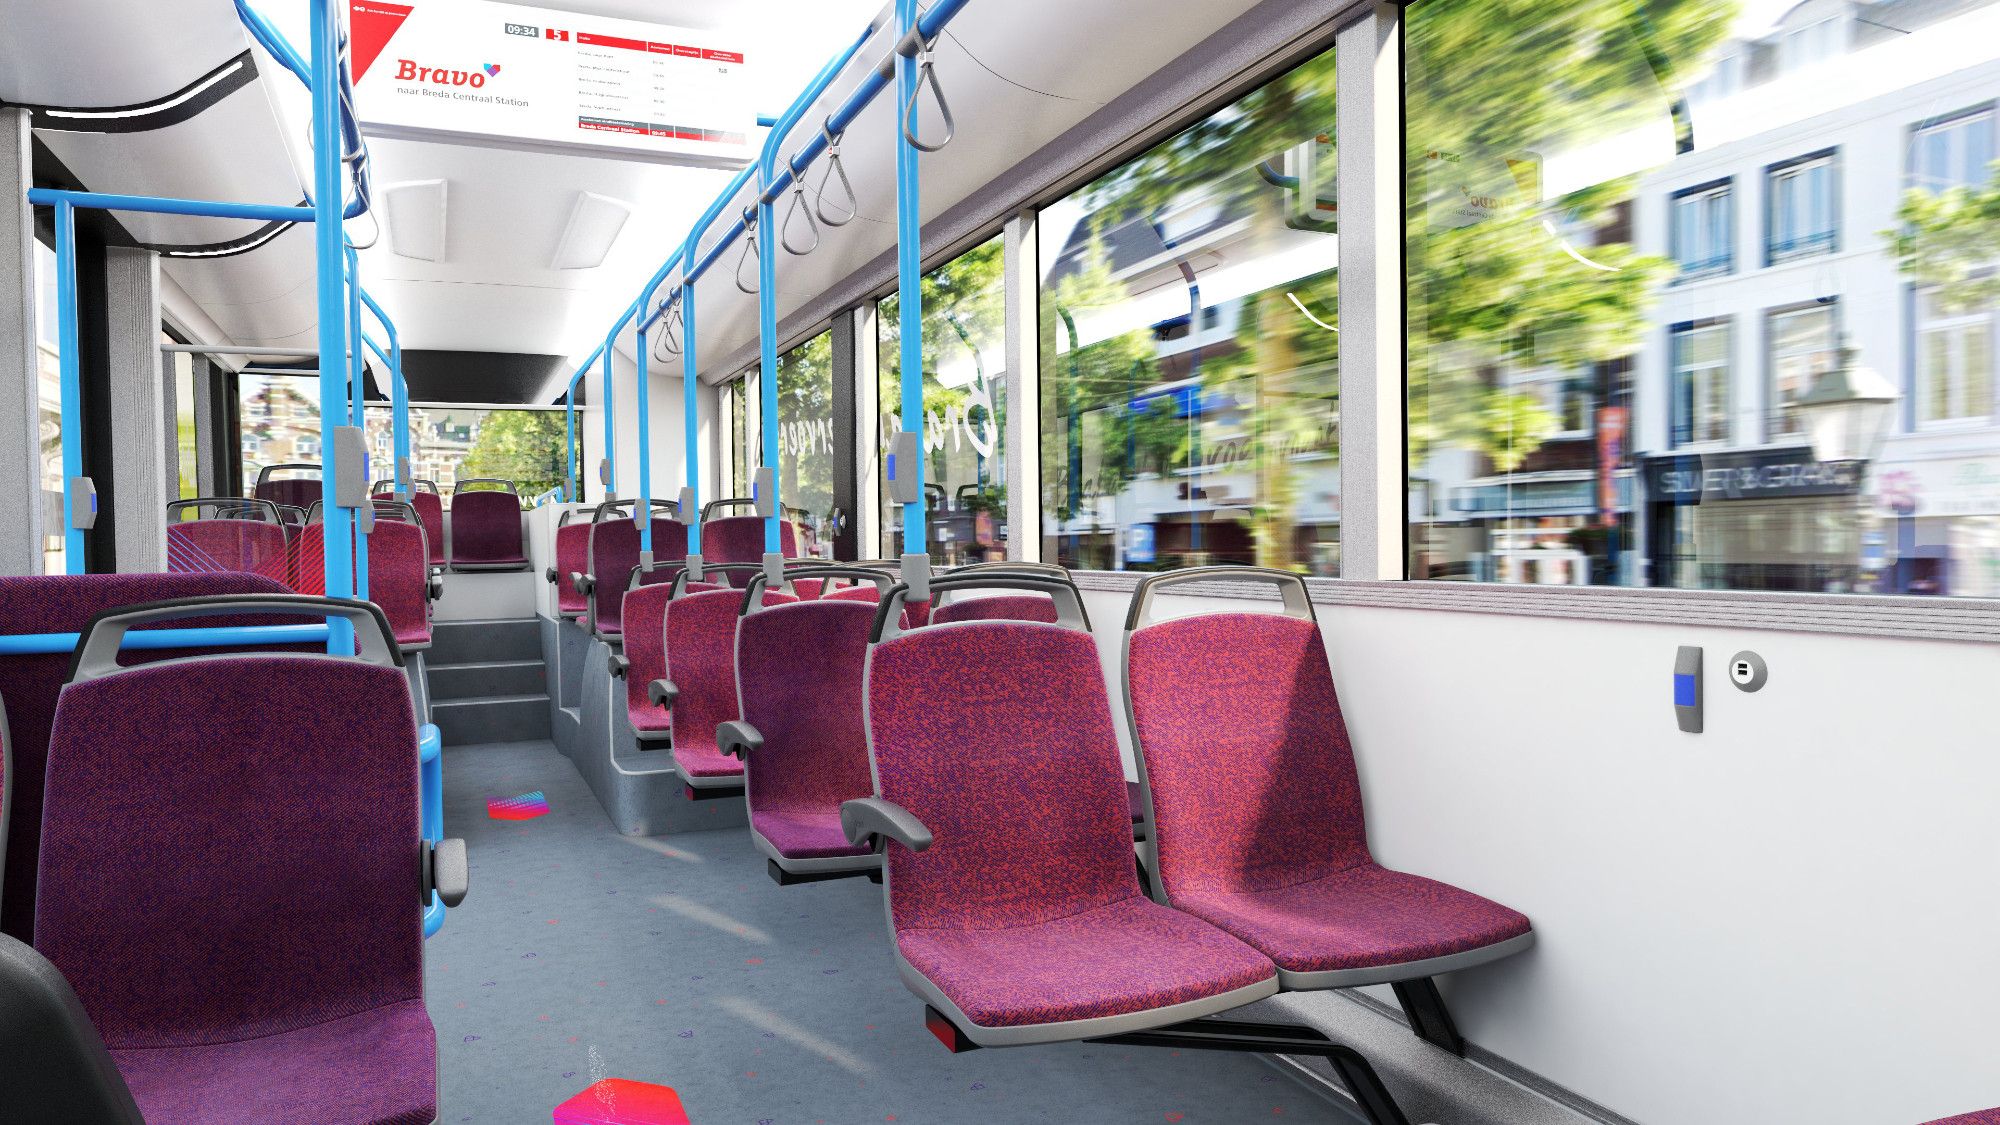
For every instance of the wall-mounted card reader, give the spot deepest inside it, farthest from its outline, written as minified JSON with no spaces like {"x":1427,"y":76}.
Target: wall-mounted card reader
{"x":689,"y":511}
{"x":604,"y":471}
{"x":82,"y":503}
{"x":906,"y":486}
{"x":1687,"y":688}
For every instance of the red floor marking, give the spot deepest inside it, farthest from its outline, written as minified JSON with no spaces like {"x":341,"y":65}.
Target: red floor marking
{"x":621,"y":1101}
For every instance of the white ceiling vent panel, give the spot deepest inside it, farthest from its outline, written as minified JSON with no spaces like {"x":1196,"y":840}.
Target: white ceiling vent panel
{"x":593,"y":226}
{"x":415,"y":214}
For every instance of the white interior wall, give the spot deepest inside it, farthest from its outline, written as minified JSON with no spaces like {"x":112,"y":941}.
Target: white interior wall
{"x":1761,"y":923}
{"x":668,"y":432}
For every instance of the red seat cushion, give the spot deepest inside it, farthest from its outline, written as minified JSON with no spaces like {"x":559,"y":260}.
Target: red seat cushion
{"x":572,"y":557}
{"x":1983,"y":1117}
{"x":1359,"y":918}
{"x":377,"y":1067}
{"x":1131,"y":955}
{"x":800,"y":669}
{"x":804,"y":833}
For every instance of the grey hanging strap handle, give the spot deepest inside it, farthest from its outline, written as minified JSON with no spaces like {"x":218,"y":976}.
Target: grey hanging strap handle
{"x":97,"y":654}
{"x":1070,"y":613}
{"x":927,"y":73}
{"x":1291,"y":589}
{"x":749,"y":251}
{"x":834,"y":167}
{"x":798,"y":208}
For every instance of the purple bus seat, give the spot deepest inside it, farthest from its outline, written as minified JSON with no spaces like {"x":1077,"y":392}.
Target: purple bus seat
{"x":803,"y":737}
{"x":572,"y":557}
{"x":1983,"y":1117}
{"x":50,"y":1054}
{"x":700,"y":685}
{"x":612,"y":554}
{"x":318,"y":1019}
{"x":399,"y":578}
{"x":227,"y":533}
{"x":293,"y":492}
{"x":486,"y":527}
{"x":740,"y":539}
{"x":30,"y":685}
{"x":997,"y":607}
{"x":1013,"y":900}
{"x":1257,"y":820}
{"x":429,"y":507}
{"x":644,"y":659}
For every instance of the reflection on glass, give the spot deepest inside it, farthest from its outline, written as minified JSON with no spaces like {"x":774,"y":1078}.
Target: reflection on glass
{"x":965,"y":409}
{"x":1677,"y":211}
{"x":1190,"y":314}
{"x":280,"y":425}
{"x":48,"y":382}
{"x":807,"y":450}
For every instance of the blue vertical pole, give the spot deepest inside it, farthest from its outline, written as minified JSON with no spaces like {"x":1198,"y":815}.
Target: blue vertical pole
{"x":767,"y":339}
{"x":643,"y":510}
{"x":357,"y":399}
{"x":689,"y":409}
{"x":610,"y":435}
{"x":909,"y":285}
{"x":72,"y":381}
{"x":328,"y":250}
{"x":399,"y":411}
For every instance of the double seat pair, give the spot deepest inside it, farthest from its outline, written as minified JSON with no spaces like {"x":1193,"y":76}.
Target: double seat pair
{"x":990,"y":791}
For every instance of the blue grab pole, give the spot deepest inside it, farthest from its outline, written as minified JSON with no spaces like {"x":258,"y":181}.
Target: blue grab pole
{"x":165,"y":205}
{"x":610,"y":432}
{"x":430,"y":776}
{"x":569,"y":439}
{"x":72,"y":382}
{"x":399,"y":398}
{"x":642,"y":512}
{"x":357,"y":404}
{"x":690,"y":410}
{"x":909,"y":284}
{"x":328,"y":252}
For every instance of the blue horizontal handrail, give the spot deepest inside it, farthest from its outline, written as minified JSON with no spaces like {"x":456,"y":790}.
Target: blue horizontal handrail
{"x":45,"y":644}
{"x":161,"y":205}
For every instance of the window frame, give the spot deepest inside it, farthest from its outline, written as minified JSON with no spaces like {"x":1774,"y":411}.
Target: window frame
{"x":1724,"y":266}
{"x":1919,"y":381}
{"x":1828,"y":158}
{"x":1772,"y":409}
{"x":1677,"y":371}
{"x":1989,"y":110}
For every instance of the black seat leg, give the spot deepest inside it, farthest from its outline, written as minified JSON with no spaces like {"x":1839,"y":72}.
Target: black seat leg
{"x":1424,"y":1007}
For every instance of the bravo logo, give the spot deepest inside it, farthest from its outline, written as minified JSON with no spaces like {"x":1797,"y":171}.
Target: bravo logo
{"x":408,"y":71}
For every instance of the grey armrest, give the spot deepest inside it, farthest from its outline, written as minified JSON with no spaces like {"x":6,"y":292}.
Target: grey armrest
{"x":549,"y":576}
{"x":662,"y":693}
{"x":446,"y":871}
{"x":868,"y":819}
{"x":437,"y":586}
{"x":739,"y":738}
{"x":582,"y":583}
{"x":619,"y":666}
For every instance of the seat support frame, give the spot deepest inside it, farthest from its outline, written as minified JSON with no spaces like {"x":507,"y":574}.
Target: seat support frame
{"x":1425,"y":1008}
{"x":786,"y":878}
{"x":1354,"y":1070}
{"x":712,"y":792}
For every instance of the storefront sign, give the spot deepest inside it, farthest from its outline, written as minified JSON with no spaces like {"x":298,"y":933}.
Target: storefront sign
{"x":1611,"y":428}
{"x":1953,"y":486}
{"x":1770,"y":474}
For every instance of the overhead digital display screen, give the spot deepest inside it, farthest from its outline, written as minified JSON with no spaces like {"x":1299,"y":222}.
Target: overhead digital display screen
{"x":511,"y":75}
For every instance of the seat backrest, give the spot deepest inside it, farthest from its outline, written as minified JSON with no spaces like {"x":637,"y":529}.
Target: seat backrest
{"x":1244,"y":752}
{"x":740,"y":539}
{"x":29,"y":685}
{"x":643,"y":617}
{"x":213,"y":545}
{"x":430,"y":509}
{"x":572,"y":557}
{"x":485,"y":527}
{"x":701,"y":661}
{"x":399,"y":579}
{"x":271,"y":882}
{"x":297,"y":492}
{"x":799,"y":675}
{"x":997,"y":607}
{"x":1019,"y":781}
{"x":613,"y":552}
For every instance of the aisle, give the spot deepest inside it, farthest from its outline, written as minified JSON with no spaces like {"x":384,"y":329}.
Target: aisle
{"x":582,"y":954}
